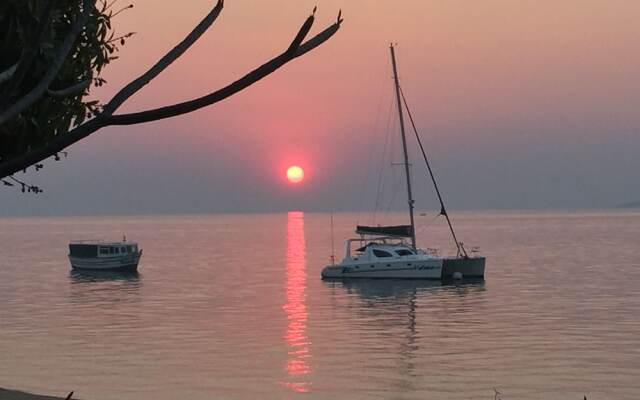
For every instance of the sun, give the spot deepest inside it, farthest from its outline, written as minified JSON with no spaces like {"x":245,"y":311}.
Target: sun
{"x":295,"y":174}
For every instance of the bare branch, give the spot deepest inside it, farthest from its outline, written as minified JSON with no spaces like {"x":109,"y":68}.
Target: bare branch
{"x":165,"y":61}
{"x":302,"y":33}
{"x":60,"y":142}
{"x":37,"y":92}
{"x":221,"y":94}
{"x":71,"y":90}
{"x":318,"y":39}
{"x":8,"y":73}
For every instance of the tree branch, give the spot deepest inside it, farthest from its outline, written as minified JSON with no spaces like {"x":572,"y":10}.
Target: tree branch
{"x":8,"y":73}
{"x":164,"y":62}
{"x":63,"y":141}
{"x":221,"y":94}
{"x":27,"y":100}
{"x":59,"y":143}
{"x":29,"y":51}
{"x":302,"y":33}
{"x":71,"y":90}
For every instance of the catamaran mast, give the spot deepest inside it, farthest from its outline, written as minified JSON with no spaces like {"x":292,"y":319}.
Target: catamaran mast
{"x":404,"y":146}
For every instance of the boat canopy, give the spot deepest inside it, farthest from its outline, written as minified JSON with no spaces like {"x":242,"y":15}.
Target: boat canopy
{"x":396,"y":230}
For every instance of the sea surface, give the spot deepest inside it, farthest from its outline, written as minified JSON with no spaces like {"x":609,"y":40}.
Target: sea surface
{"x":233,"y":307}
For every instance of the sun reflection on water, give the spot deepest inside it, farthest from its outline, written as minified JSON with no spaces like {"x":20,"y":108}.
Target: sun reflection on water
{"x":295,"y":337}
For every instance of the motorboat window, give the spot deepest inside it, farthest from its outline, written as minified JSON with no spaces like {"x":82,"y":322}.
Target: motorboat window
{"x":381,"y":253}
{"x":404,"y":252}
{"x":104,"y":250}
{"x":112,"y":250}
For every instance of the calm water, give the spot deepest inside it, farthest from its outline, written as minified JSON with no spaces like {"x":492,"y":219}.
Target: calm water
{"x":232,"y":307}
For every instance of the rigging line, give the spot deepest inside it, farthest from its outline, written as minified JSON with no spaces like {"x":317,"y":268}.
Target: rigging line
{"x":333,"y":249}
{"x":391,"y":176}
{"x":443,"y":211}
{"x":428,"y":224}
{"x":382,"y":163}
{"x":374,"y":127}
{"x":396,"y":179}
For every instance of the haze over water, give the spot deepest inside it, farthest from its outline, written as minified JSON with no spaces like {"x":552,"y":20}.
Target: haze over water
{"x":521,"y":104}
{"x":232,"y":306}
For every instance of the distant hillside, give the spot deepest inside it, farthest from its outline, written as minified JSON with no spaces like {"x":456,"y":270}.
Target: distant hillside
{"x":633,"y":204}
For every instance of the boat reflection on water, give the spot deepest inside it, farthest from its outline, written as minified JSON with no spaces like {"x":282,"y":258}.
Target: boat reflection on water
{"x":83,"y":276}
{"x":395,"y":290}
{"x":104,"y":288}
{"x":297,"y":366}
{"x":403,"y":315}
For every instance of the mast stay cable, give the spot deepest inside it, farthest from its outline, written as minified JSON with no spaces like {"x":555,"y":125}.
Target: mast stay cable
{"x":443,"y":211}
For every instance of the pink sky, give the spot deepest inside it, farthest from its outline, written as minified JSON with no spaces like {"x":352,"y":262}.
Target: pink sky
{"x":506,"y":93}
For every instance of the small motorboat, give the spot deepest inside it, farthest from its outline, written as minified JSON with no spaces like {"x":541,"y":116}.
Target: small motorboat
{"x":104,"y":255}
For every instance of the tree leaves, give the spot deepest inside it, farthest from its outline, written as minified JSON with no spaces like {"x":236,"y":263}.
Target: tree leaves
{"x":95,"y":48}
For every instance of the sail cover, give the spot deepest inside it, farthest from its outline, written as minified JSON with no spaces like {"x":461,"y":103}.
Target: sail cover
{"x":396,"y":230}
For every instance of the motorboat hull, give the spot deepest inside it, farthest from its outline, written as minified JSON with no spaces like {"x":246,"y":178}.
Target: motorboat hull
{"x":415,"y":269}
{"x":126,"y":263}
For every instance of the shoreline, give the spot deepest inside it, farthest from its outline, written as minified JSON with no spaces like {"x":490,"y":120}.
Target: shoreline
{"x":9,"y":394}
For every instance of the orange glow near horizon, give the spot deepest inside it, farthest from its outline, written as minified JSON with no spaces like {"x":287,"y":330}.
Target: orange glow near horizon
{"x":295,"y":174}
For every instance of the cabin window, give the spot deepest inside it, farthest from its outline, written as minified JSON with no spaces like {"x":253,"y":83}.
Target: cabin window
{"x":83,"y":250}
{"x":381,"y":253}
{"x":112,"y":250}
{"x":130,"y":249}
{"x":404,"y":252}
{"x":123,"y":249}
{"x":104,"y":250}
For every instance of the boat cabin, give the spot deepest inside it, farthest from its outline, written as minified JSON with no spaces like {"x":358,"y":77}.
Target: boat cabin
{"x":98,"y":249}
{"x":379,"y":249}
{"x":381,"y":243}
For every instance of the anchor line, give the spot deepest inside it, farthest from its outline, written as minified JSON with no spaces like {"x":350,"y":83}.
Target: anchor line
{"x":443,"y":210}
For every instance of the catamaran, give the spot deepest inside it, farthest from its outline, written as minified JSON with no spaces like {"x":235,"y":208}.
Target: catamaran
{"x":391,"y":251}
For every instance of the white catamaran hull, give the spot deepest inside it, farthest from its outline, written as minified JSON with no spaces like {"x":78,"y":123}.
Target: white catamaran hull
{"x":423,"y":269}
{"x":447,"y":268}
{"x":129,"y":262}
